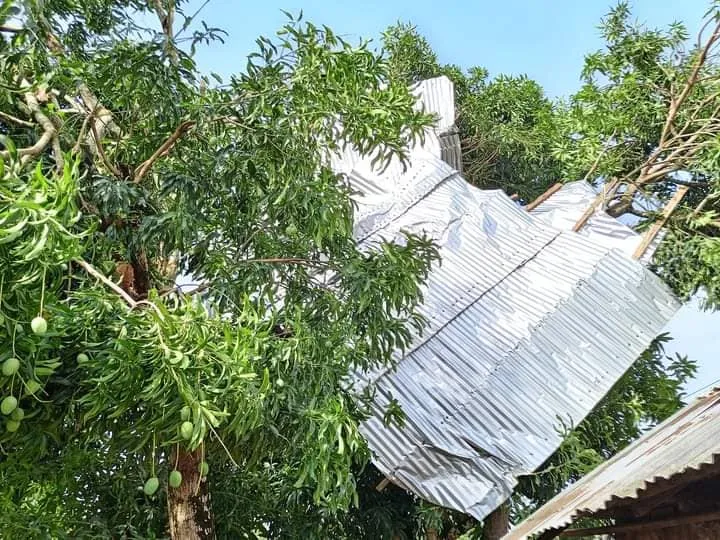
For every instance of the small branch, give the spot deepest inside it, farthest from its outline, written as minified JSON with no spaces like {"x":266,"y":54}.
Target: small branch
{"x":15,"y":120}
{"x":10,"y":29}
{"x":600,"y":155}
{"x":305,"y":262}
{"x":165,"y":147}
{"x":101,"y":151}
{"x":114,"y":286}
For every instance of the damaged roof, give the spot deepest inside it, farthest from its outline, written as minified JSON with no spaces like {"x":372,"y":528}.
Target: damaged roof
{"x":527,"y":324}
{"x":688,"y":440}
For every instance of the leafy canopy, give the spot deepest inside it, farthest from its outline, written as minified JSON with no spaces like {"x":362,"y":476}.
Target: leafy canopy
{"x":123,"y":168}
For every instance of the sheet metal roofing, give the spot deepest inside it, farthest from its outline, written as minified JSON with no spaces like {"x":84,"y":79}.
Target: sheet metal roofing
{"x":527,"y":324}
{"x":687,"y":440}
{"x":563,"y":209}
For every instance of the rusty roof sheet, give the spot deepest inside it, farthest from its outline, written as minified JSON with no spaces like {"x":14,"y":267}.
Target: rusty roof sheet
{"x":687,"y":440}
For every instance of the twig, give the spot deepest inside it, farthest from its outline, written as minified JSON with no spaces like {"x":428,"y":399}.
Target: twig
{"x":599,"y":157}
{"x":10,"y":29}
{"x":114,"y":286}
{"x":306,"y":262}
{"x":165,"y":147}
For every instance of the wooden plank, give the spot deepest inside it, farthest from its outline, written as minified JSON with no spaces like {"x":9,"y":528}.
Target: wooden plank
{"x":655,"y":228}
{"x":580,"y":223}
{"x":383,"y":484}
{"x":544,"y":197}
{"x":644,"y":526}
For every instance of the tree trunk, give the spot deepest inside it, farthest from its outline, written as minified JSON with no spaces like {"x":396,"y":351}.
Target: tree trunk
{"x":497,"y":523}
{"x":189,"y":510}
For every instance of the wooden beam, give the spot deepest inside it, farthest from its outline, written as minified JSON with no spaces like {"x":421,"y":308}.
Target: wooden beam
{"x":655,"y":228}
{"x":383,"y":484}
{"x":644,"y":526}
{"x":608,"y":188}
{"x":544,"y":197}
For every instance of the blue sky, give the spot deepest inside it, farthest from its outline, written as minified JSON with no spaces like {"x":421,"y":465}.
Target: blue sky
{"x":545,"y":40}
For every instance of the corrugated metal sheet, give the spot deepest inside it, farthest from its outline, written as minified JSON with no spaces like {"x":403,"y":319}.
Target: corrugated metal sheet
{"x":687,"y":440}
{"x":437,"y":95}
{"x":527,"y":323}
{"x":565,"y":207}
{"x":450,"y":149}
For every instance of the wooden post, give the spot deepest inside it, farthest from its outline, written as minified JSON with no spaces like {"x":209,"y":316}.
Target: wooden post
{"x":497,"y":523}
{"x":655,"y":228}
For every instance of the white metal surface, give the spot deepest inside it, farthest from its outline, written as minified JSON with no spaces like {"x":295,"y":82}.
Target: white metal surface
{"x":527,"y":324}
{"x":565,"y":207}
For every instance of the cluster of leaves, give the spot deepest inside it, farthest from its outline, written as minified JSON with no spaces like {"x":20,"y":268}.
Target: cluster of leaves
{"x":122,"y":168}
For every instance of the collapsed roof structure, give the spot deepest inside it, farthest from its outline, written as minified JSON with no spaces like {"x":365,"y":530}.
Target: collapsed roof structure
{"x":528,"y":322}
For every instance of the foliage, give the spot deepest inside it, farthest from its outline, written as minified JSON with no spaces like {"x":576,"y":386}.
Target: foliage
{"x":646,"y":122}
{"x":507,"y":125}
{"x":123,"y":168}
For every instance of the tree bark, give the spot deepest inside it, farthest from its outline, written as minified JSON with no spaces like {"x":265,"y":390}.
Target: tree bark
{"x":189,"y":510}
{"x":497,"y":523}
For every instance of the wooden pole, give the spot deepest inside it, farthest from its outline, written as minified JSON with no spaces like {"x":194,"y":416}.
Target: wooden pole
{"x":593,"y":206}
{"x":544,"y":197}
{"x":655,"y":228}
{"x":644,"y":526}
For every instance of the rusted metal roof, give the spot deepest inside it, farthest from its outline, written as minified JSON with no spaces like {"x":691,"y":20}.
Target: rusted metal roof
{"x":687,"y":440}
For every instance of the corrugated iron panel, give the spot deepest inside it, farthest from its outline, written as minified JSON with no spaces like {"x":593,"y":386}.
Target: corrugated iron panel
{"x":450,"y":149}
{"x":437,"y":95}
{"x":519,"y":318}
{"x":687,"y":440}
{"x":565,"y":207}
{"x":527,"y":323}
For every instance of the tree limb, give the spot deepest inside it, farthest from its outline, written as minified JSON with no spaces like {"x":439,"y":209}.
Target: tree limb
{"x":101,"y":151}
{"x":165,"y":147}
{"x":14,"y":120}
{"x":109,"y":283}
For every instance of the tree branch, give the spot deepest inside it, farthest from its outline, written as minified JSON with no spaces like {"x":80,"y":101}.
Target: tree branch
{"x":167,"y":19}
{"x":165,"y":147}
{"x":110,"y":284}
{"x":101,"y":151}
{"x":675,"y":104}
{"x":14,"y":120}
